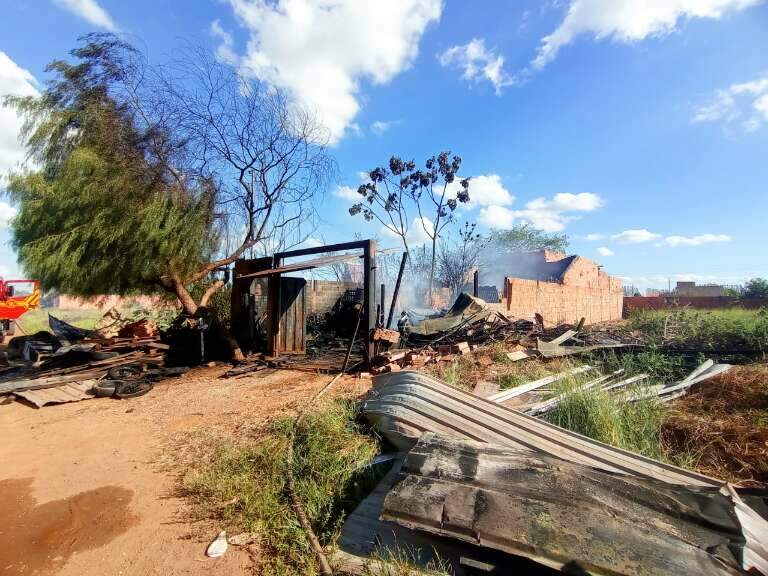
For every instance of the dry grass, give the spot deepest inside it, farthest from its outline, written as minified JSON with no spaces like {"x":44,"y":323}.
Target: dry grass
{"x":724,"y":423}
{"x":240,"y":483}
{"x":491,"y":364}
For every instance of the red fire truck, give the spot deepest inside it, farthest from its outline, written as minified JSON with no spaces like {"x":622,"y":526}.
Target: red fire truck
{"x":16,"y":297}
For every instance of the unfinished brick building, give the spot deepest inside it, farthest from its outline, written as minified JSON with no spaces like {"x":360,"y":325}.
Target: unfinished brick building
{"x":561,"y":288}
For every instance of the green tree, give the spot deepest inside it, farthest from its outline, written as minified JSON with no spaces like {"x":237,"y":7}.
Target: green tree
{"x":756,"y":288}
{"x":525,"y":238}
{"x":139,"y":181}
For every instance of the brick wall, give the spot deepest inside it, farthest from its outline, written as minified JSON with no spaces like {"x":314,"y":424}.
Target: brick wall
{"x":563,"y":303}
{"x":321,"y":295}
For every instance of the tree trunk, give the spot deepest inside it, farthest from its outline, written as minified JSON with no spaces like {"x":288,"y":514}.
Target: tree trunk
{"x":188,"y":303}
{"x":432,"y":274}
{"x":189,"y":306}
{"x":212,"y":289}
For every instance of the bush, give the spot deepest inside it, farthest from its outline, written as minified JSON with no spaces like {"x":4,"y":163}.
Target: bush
{"x":634,"y":426}
{"x":731,"y":329}
{"x":243,"y":486}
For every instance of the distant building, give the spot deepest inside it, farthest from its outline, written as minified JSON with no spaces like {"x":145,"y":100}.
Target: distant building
{"x":691,"y":290}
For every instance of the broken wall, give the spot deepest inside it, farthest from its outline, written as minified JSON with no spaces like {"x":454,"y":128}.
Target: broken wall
{"x":597,"y":300}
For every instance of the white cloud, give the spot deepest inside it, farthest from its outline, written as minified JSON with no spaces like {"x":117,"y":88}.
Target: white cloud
{"x":347,"y":193}
{"x":312,"y":242}
{"x":18,"y":82}
{"x":639,"y":236}
{"x":320,"y":51}
{"x":594,"y":237}
{"x":696,"y":240}
{"x":417,"y":233}
{"x":629,"y":20}
{"x":225,"y":51}
{"x":90,"y":11}
{"x":552,"y":215}
{"x":603,"y":251}
{"x":497,"y":217}
{"x":379,"y":127}
{"x":547,"y":215}
{"x":745,"y":100}
{"x":487,"y":190}
{"x":6,"y":213}
{"x":478,"y":63}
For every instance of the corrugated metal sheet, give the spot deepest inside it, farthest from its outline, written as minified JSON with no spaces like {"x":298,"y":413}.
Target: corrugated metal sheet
{"x":567,"y":516}
{"x":71,"y":392}
{"x":403,"y":405}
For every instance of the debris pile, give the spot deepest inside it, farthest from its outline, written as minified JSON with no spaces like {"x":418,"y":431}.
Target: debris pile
{"x":471,"y":324}
{"x":72,"y":364}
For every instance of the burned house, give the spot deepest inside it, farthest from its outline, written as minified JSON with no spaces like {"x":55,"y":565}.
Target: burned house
{"x":562,"y":289}
{"x":271,"y":305}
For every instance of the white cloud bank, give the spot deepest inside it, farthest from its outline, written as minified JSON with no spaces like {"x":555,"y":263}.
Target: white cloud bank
{"x":380,"y":127}
{"x":477,"y":63}
{"x":347,"y":193}
{"x":547,"y":215}
{"x":696,"y":240}
{"x":14,"y":80}
{"x":6,"y":213}
{"x":638,"y":236}
{"x":319,"y":51}
{"x":643,"y":236}
{"x":745,"y":101}
{"x":604,"y":251}
{"x":90,"y":11}
{"x":629,"y":21}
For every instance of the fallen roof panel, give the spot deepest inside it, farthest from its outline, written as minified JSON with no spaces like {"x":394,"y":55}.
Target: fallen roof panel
{"x":564,"y":515}
{"x":403,"y":405}
{"x":71,"y":392}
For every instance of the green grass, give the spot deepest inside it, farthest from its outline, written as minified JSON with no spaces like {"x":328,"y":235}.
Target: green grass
{"x":457,"y":373}
{"x":37,"y":320}
{"x":603,"y":416}
{"x":242,"y":485}
{"x":727,"y":329}
{"x":653,"y":361}
{"x":519,"y":373}
{"x":405,"y":562}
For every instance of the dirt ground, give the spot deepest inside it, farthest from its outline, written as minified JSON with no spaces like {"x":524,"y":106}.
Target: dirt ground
{"x":83,"y":488}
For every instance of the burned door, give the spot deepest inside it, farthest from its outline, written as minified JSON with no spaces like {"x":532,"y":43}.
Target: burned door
{"x":290,"y":336}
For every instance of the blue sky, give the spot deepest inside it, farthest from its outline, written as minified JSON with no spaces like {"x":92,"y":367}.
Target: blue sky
{"x":637,"y":128}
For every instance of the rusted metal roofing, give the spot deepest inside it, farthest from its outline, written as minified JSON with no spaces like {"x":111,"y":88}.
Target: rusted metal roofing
{"x":70,"y":392}
{"x":404,"y":405}
{"x":567,"y":516}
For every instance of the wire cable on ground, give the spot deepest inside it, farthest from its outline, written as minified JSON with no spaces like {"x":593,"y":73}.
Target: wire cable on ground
{"x":298,"y":508}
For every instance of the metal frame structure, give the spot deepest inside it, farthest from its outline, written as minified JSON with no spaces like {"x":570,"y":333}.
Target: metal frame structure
{"x":277,"y":268}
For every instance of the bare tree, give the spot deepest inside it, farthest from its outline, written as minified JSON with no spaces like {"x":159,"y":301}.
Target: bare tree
{"x":457,"y":260}
{"x":262,"y":156}
{"x":399,"y":188}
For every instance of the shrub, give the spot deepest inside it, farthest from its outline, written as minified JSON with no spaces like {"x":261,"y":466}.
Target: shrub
{"x":243,"y":485}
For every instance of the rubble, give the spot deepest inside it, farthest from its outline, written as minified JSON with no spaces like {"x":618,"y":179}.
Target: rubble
{"x":70,"y":364}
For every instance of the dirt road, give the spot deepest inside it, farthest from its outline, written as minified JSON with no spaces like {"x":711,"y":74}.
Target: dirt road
{"x":82,"y":490}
